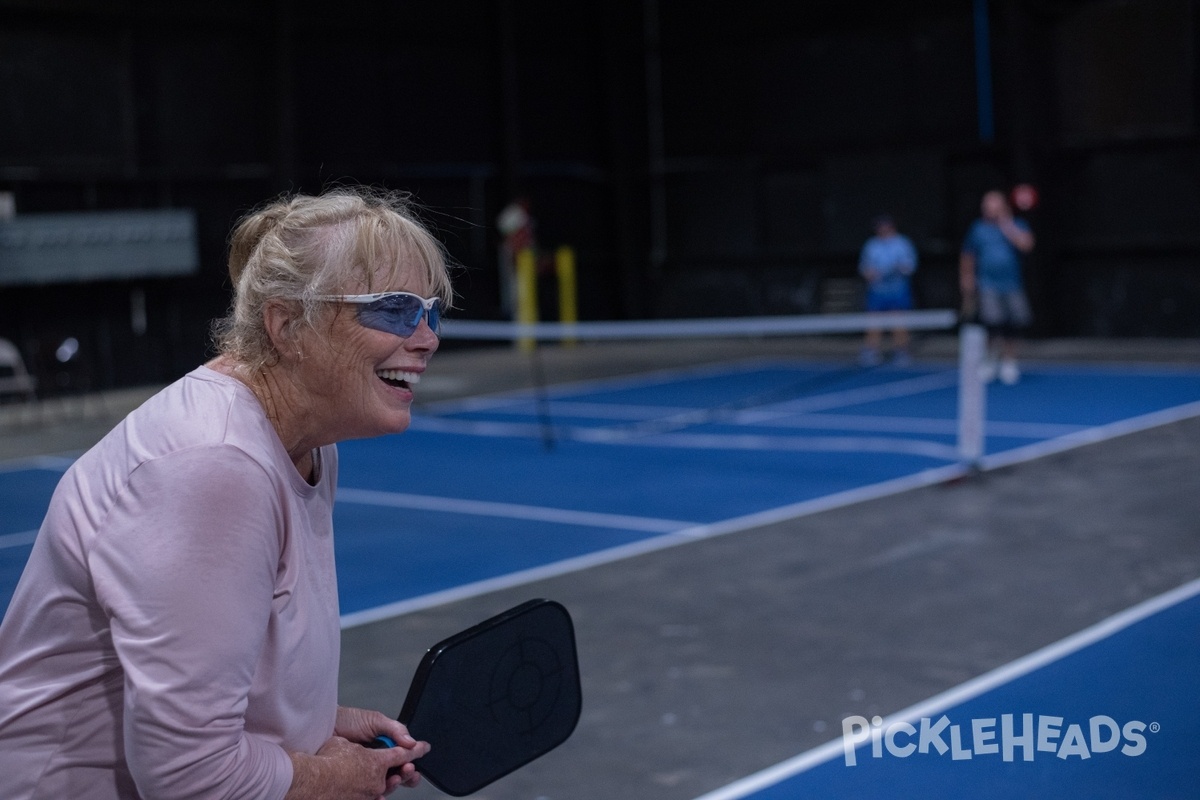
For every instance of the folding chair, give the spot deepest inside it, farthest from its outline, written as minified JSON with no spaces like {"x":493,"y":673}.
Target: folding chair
{"x":15,"y":380}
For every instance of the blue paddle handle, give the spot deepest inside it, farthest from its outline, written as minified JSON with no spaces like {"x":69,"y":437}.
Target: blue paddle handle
{"x":381,"y":742}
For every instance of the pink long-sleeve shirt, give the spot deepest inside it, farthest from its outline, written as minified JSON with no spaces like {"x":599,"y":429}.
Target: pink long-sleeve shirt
{"x":175,"y":632}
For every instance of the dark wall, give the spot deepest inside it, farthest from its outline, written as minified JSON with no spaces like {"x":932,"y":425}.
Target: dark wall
{"x":703,"y":157}
{"x":786,"y":132}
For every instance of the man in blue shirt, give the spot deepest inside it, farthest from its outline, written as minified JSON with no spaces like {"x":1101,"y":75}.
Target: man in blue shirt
{"x":990,"y":278}
{"x":887,"y":263}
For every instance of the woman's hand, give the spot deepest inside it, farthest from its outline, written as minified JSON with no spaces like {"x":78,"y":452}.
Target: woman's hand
{"x":344,"y":768}
{"x":362,"y":725}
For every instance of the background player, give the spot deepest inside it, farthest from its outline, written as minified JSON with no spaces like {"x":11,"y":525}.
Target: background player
{"x":887,"y":263}
{"x":990,"y":279}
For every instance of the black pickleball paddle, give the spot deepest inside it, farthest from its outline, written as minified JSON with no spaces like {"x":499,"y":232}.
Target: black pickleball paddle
{"x":495,"y":696}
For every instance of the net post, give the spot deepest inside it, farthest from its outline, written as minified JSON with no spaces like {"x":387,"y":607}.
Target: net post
{"x":568,"y":301}
{"x":527,"y":299}
{"x":972,"y":393}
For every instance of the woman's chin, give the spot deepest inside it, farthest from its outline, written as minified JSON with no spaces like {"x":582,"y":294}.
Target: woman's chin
{"x":398,"y":423}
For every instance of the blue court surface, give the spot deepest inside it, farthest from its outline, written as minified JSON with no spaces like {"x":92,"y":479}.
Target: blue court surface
{"x":481,"y":490}
{"x":494,"y":491}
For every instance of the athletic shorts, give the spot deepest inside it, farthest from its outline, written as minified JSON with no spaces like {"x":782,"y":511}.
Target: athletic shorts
{"x":889,"y":299}
{"x":1005,"y":312}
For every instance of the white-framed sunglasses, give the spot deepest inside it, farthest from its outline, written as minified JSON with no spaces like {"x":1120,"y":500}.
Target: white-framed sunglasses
{"x":399,"y":313}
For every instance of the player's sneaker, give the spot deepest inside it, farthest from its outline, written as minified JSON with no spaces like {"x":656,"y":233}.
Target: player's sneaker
{"x":1010,"y":373}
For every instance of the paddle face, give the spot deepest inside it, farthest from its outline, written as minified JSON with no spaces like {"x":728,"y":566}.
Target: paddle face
{"x":495,"y":697}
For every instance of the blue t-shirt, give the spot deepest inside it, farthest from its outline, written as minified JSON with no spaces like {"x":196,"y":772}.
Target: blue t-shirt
{"x":997,"y":260}
{"x":893,"y":258}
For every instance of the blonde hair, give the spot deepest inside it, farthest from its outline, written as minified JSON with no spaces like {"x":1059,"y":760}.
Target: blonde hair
{"x":300,"y":247}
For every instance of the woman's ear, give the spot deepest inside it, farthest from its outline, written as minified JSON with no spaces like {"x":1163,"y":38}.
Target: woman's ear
{"x":279,"y":320}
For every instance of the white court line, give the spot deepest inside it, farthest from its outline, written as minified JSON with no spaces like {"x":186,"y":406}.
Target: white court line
{"x":1100,"y":433}
{"x":602,"y":411}
{"x":854,"y":422}
{"x":818,"y":402}
{"x":59,"y":463}
{"x":526,"y":395}
{"x":849,"y":422}
{"x":802,"y":444}
{"x":926,"y":425}
{"x":964,"y":691}
{"x":471,"y":427}
{"x":561,"y":516}
{"x":17,"y":539}
{"x":859,"y":396}
{"x":700,"y":441}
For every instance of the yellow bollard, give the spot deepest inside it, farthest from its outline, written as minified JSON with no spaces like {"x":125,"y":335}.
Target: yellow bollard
{"x":568,"y":302}
{"x":527,"y":300}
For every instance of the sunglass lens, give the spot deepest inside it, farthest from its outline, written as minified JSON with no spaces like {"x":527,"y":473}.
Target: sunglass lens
{"x":399,"y":314}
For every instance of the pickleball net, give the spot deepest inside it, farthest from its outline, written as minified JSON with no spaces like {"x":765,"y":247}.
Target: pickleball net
{"x":782,"y":383}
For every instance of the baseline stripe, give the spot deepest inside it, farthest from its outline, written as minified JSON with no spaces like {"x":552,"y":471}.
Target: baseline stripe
{"x":964,"y":691}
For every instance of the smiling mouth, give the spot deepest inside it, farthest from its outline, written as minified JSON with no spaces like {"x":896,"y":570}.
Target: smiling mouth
{"x":399,"y":378}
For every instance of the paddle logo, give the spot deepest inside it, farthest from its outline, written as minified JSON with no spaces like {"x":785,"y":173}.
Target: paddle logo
{"x":1025,"y":736}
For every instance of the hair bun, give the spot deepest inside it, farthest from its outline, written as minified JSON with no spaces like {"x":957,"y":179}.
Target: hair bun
{"x":249,"y":232}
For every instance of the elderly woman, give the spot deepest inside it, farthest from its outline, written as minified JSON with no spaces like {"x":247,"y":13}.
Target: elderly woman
{"x":175,"y":633}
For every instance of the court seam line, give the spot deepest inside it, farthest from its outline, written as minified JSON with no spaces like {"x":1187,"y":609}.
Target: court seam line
{"x":964,"y":692}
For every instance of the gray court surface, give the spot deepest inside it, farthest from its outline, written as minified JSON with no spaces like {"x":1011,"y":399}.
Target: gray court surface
{"x":708,"y":661}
